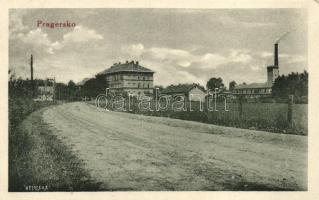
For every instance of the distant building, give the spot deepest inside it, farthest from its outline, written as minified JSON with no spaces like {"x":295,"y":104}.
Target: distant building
{"x":192,"y":92}
{"x":129,"y":77}
{"x":254,"y":90}
{"x":45,"y":90}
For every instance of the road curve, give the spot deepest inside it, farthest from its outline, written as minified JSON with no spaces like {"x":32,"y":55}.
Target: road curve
{"x":133,"y":152}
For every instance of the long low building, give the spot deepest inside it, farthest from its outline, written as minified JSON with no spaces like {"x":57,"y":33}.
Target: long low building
{"x":254,"y":89}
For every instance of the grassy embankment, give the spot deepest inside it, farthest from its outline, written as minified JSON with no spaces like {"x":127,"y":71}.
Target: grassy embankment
{"x":38,"y":161}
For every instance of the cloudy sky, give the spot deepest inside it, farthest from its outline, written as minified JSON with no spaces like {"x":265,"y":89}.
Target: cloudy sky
{"x":180,"y":45}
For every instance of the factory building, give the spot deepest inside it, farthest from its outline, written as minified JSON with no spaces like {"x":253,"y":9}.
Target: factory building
{"x":254,"y":90}
{"x":129,"y":77}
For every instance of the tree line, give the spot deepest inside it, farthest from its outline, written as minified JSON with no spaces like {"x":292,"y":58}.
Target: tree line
{"x":90,"y":89}
{"x":295,"y":84}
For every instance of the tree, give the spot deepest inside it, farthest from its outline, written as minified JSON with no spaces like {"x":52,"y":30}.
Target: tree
{"x":61,"y":91}
{"x":71,"y":84}
{"x":215,"y":83}
{"x":232,"y":85}
{"x":94,"y":86}
{"x":71,"y":90}
{"x":101,"y":84}
{"x":292,"y":84}
{"x":160,"y":88}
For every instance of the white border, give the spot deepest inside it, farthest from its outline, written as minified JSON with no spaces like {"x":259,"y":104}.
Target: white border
{"x":313,"y":138}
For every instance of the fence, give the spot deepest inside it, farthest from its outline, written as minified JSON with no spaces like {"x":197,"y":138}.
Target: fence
{"x":274,"y":117}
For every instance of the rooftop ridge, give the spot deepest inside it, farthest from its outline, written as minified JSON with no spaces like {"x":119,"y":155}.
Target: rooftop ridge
{"x":126,"y":67}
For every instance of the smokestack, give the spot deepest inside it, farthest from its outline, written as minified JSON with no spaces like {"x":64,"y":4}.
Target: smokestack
{"x":276,"y":60}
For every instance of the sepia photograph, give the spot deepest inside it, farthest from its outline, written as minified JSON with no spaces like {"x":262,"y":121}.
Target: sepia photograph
{"x":157,"y":99}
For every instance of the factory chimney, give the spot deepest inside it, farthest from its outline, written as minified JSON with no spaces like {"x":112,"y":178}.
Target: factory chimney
{"x":273,"y":70}
{"x":32,"y":82}
{"x":276,"y":60}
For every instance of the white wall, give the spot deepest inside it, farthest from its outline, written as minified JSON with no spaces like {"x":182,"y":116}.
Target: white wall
{"x":197,"y":94}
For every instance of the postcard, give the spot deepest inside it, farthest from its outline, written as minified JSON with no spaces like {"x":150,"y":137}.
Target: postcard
{"x":160,"y":99}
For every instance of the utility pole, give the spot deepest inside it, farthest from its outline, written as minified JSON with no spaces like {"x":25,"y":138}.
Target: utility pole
{"x":32,"y":82}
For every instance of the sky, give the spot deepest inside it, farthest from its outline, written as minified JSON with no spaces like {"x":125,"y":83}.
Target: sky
{"x":180,"y":45}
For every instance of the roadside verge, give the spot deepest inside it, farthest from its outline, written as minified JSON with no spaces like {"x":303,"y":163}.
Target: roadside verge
{"x":44,"y":163}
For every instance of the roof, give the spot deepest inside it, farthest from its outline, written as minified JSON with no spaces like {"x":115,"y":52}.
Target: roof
{"x":126,"y":67}
{"x":181,"y":88}
{"x":82,"y":82}
{"x":254,"y":85}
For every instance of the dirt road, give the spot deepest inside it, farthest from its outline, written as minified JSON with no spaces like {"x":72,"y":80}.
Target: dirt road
{"x":132,"y":152}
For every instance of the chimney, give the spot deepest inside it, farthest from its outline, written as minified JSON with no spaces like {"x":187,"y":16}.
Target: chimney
{"x":276,"y":60}
{"x":127,"y":62}
{"x":136,"y":63}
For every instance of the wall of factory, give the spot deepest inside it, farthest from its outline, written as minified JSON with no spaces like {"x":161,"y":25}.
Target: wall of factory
{"x":272,"y":74}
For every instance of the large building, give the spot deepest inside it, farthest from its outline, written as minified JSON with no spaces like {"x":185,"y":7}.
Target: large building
{"x":129,"y":77}
{"x":261,"y":89}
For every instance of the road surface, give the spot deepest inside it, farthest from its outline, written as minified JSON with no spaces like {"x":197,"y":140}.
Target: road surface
{"x":133,"y":152}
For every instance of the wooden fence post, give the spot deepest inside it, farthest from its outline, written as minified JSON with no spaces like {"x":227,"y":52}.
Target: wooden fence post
{"x":290,"y":104}
{"x":240,"y":106}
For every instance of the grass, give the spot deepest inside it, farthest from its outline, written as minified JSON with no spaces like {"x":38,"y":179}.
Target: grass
{"x":47,"y":162}
{"x":38,"y":160}
{"x":270,"y":117}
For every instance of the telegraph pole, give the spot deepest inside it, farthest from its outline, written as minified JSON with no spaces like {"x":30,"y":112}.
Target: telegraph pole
{"x":32,"y":82}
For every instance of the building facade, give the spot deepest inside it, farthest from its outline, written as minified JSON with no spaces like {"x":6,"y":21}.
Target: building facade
{"x":45,"y":90}
{"x":130,"y":78}
{"x":254,"y":89}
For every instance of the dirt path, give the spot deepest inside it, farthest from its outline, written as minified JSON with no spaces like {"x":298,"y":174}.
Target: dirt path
{"x":132,"y":152}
